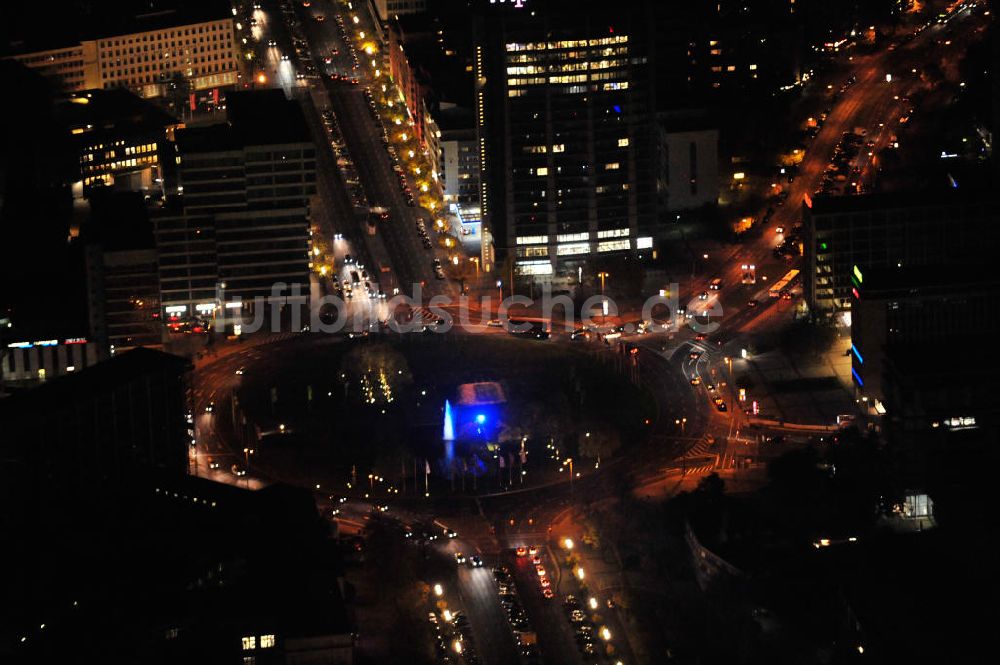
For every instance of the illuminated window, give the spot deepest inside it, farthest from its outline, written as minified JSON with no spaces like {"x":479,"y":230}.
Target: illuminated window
{"x":622,"y":143}
{"x":613,"y":245}
{"x":576,"y":248}
{"x":266,"y":641}
{"x":542,"y":170}
{"x":532,"y":240}
{"x":753,"y":68}
{"x":613,"y":233}
{"x":249,"y":642}
{"x":558,"y":147}
{"x":612,"y":166}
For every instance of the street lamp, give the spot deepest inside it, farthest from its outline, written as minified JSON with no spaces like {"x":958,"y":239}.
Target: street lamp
{"x":603,"y":275}
{"x":500,"y":287}
{"x":438,"y":590}
{"x":568,"y":543}
{"x":569,"y":460}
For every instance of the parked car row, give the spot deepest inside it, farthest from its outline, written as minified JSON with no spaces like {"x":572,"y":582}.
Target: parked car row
{"x":583,"y":627}
{"x":524,"y":635}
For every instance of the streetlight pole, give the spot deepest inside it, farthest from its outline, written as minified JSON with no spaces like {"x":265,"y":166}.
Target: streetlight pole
{"x":604,"y":304}
{"x":500,"y":288}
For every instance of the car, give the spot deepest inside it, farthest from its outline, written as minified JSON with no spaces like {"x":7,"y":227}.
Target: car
{"x":432,"y":617}
{"x":475,"y":561}
{"x":703,"y":295}
{"x":694,"y":355}
{"x":532,"y":550}
{"x":284,"y":57}
{"x":238,"y":470}
{"x":547,"y":592}
{"x":495,"y":323}
{"x":540,"y":569}
{"x":521,"y":551}
{"x":459,"y":557}
{"x":580,"y":333}
{"x":450,"y":533}
{"x":710,"y":387}
{"x":272,"y":43}
{"x":576,"y":616}
{"x":751,"y":304}
{"x":701,"y":337}
{"x":544,"y":581}
{"x":214,"y":465}
{"x":239,"y":371}
{"x":210,"y":407}
{"x":536,"y":560}
{"x":695,"y":380}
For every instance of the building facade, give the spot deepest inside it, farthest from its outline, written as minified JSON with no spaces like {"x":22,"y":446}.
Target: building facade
{"x":888,"y":230}
{"x":386,"y":9}
{"x":688,"y":174}
{"x":460,"y":172}
{"x":147,"y":53}
{"x":566,"y":132}
{"x":241,"y":222}
{"x":118,"y":138}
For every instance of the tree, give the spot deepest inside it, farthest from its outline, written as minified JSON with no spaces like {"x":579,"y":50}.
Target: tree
{"x":599,"y":442}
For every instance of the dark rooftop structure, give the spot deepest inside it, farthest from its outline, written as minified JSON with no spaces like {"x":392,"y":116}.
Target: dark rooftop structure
{"x":115,"y":110}
{"x":27,"y":27}
{"x":263,"y":117}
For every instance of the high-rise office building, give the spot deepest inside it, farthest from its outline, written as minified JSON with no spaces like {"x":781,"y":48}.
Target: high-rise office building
{"x":566,"y":129}
{"x":919,"y":312}
{"x":241,"y":223}
{"x":878,"y":230}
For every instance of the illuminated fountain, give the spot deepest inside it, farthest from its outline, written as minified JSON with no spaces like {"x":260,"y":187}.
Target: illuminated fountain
{"x":448,"y":435}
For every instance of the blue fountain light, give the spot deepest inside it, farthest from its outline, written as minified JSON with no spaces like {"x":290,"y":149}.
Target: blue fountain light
{"x":449,"y":424}
{"x":481,"y":418}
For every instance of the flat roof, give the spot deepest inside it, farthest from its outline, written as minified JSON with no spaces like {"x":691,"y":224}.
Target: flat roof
{"x":255,"y":118}
{"x":31,"y":26}
{"x":476,"y":394}
{"x":823,"y":204}
{"x":63,"y":392}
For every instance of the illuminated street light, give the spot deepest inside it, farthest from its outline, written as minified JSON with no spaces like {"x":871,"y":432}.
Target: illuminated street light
{"x":593,"y":603}
{"x":457,"y":646}
{"x":568,"y":543}
{"x":438,"y":590}
{"x":605,"y":633}
{"x":580,"y":574}
{"x":447,"y":615}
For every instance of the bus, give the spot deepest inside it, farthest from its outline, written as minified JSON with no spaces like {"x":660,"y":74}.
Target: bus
{"x":783,"y":283}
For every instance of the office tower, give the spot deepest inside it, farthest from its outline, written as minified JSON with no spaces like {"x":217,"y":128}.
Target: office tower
{"x":566,"y":129}
{"x":241,"y":222}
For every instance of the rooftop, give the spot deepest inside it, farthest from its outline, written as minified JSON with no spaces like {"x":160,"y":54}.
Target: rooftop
{"x":255,"y":118}
{"x":103,"y":377}
{"x":116,"y":110}
{"x":30,"y":26}
{"x":823,"y":205}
